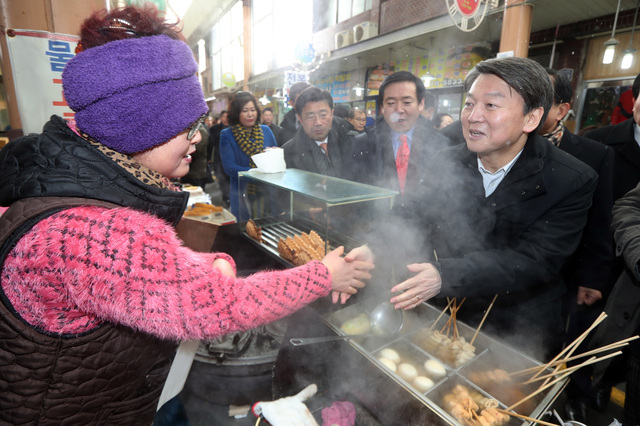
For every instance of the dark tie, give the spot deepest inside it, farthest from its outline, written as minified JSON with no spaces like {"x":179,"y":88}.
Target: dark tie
{"x":402,"y":161}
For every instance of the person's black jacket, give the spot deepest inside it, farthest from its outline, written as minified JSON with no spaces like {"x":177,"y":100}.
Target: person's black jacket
{"x":303,"y":153}
{"x":626,"y":165}
{"x":373,"y":161}
{"x":590,"y":265}
{"x":514,"y":242}
{"x":454,"y":133}
{"x":288,"y":126}
{"x":277,"y":130}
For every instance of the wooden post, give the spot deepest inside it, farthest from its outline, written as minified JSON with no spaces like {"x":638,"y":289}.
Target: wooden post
{"x":516,"y":27}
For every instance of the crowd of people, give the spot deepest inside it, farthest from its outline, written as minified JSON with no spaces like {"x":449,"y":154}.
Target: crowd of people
{"x":505,"y":201}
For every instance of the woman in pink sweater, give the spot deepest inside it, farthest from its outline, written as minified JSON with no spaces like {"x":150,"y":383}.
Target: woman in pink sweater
{"x":96,"y":289}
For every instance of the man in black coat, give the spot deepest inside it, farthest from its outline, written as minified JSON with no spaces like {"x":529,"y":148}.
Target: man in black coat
{"x":586,"y":273}
{"x":503,"y":212}
{"x":323,"y":145}
{"x":375,"y":153}
{"x":624,"y":139}
{"x":290,"y":123}
{"x":267,"y":120}
{"x":588,"y":270}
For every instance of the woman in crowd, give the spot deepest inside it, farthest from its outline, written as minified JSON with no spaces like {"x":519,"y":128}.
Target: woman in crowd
{"x":96,"y":289}
{"x":441,"y":120}
{"x":244,"y":137}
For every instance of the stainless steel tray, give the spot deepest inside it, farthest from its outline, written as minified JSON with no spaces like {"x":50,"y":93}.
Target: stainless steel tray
{"x":490,"y":354}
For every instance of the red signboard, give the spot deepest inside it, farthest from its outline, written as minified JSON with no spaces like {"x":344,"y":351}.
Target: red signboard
{"x":468,"y":7}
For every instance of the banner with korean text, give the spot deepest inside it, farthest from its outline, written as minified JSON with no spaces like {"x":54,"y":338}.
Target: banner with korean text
{"x":37,"y":60}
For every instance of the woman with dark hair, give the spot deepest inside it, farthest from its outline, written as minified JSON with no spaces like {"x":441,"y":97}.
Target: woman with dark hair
{"x":244,"y":137}
{"x":96,"y":288}
{"x":441,"y":120}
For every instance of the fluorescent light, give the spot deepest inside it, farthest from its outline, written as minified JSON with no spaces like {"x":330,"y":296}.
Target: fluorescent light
{"x":610,"y":51}
{"x":358,"y":89}
{"x":627,"y":59}
{"x":427,"y":79}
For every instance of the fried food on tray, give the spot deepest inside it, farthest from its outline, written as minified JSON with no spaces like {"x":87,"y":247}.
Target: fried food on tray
{"x":302,"y":248}
{"x":471,"y":408}
{"x":202,"y":209}
{"x":254,"y":231}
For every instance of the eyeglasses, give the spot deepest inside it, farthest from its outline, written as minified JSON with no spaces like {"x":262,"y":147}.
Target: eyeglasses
{"x":195,"y":127}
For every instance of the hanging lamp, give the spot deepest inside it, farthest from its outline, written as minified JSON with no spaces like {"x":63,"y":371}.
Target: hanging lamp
{"x":627,"y":59}
{"x":610,"y":45}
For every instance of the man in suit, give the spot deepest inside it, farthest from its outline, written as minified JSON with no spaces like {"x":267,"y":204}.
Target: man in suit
{"x":267,"y":120}
{"x":624,"y":138}
{"x":393,"y":155}
{"x":357,"y":119}
{"x":323,"y":146}
{"x":588,"y":269}
{"x":503,"y":212}
{"x":586,"y":273}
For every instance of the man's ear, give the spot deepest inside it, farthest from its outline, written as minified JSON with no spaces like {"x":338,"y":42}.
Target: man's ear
{"x":563,"y":110}
{"x":532,"y":120}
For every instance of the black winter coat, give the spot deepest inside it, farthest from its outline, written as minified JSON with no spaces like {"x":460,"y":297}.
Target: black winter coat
{"x":514,"y":242}
{"x":626,"y":167}
{"x":303,"y":153}
{"x":590,"y":265}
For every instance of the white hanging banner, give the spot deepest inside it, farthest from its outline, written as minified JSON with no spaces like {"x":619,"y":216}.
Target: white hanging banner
{"x":37,"y":60}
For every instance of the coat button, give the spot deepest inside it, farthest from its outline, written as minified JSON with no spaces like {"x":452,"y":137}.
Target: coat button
{"x":522,"y":193}
{"x":537,"y":186}
{"x":493,"y":204}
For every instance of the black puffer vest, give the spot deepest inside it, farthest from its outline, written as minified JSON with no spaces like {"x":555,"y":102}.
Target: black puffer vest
{"x":109,"y":375}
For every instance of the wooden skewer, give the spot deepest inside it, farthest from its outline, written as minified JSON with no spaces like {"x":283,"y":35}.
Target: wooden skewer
{"x":531,"y":419}
{"x":579,"y":340}
{"x":554,"y":374}
{"x":441,"y":314}
{"x":610,"y":346}
{"x":547,"y":385}
{"x":573,"y":344}
{"x":435,"y":255}
{"x":454,"y":309}
{"x":570,"y":370}
{"x":540,"y":389}
{"x":483,"y":318}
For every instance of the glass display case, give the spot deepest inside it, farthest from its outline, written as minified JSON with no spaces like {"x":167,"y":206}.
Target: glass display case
{"x":294,"y":202}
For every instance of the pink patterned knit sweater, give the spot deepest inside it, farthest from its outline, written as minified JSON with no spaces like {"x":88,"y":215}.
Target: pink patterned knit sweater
{"x":86,"y":265}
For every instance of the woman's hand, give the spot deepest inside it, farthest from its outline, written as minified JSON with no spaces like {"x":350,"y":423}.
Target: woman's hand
{"x":424,"y":285}
{"x":224,"y":267}
{"x":346,"y":276}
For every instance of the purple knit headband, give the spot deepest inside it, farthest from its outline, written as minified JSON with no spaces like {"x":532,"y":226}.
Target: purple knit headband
{"x":134,"y":94}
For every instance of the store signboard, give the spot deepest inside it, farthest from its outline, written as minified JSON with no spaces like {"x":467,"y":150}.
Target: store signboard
{"x":37,"y":60}
{"x":291,"y":78}
{"x":449,"y":66}
{"x":338,"y":85}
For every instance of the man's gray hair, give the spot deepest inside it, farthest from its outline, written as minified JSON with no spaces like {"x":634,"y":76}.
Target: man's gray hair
{"x":528,"y":78}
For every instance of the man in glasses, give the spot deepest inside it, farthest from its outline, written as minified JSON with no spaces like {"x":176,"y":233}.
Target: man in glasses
{"x":357,"y":119}
{"x":323,"y":143}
